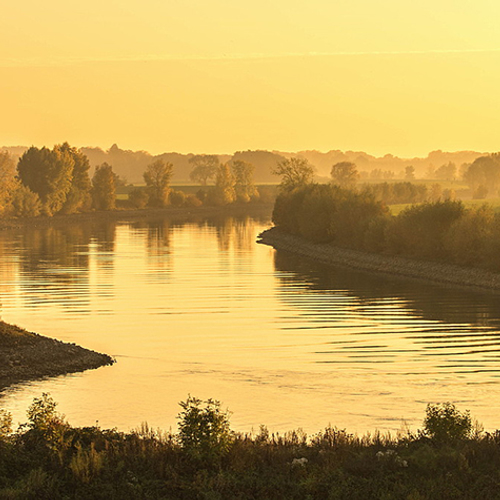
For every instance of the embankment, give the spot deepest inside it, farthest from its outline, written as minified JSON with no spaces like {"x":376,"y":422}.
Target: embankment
{"x":28,"y":356}
{"x":444,"y":274}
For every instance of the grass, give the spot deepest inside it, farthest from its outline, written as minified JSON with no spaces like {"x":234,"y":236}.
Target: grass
{"x":47,"y":458}
{"x":493,"y":202}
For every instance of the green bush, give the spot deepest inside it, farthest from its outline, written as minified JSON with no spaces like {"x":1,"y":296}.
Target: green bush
{"x":444,"y":423}
{"x":204,"y":428}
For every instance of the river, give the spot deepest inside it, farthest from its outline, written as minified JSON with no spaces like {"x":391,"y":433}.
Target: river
{"x":200,"y":308}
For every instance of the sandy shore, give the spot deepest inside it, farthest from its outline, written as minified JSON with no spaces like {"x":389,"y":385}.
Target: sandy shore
{"x":396,"y":266}
{"x":28,"y":356}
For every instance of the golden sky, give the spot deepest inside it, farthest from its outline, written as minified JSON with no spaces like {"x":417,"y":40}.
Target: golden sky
{"x":395,"y":76}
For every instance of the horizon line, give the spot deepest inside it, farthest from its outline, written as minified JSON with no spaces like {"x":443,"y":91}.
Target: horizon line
{"x":63,"y":61}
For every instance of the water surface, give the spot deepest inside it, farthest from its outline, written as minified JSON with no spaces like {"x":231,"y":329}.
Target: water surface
{"x":199,"y":308}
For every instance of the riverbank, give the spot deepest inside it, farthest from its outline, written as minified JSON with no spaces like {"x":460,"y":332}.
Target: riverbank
{"x":50,"y":459}
{"x":444,"y":274}
{"x":28,"y":356}
{"x":176,"y":213}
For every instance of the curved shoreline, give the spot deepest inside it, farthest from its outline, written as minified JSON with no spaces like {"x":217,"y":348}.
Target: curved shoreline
{"x":443,"y":274}
{"x":26,"y":356}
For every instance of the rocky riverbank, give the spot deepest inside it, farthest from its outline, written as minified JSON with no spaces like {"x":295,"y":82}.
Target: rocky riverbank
{"x":444,"y":274}
{"x":28,"y":356}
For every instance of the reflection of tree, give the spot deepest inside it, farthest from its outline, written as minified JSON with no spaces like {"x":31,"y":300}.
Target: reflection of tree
{"x":104,"y":234}
{"x":234,"y":231}
{"x":57,"y":259}
{"x":431,"y":302}
{"x":7,"y":266}
{"x":157,"y":236}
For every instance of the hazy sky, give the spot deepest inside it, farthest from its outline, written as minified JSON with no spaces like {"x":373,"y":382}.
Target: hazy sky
{"x":394,"y":76}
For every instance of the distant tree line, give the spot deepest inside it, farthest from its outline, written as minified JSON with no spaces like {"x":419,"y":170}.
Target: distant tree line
{"x":441,"y":230}
{"x":57,"y":181}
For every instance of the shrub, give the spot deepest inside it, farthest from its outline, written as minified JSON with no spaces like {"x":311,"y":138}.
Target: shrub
{"x":444,"y":423}
{"x":5,"y":424}
{"x":46,"y":425}
{"x":138,"y":197}
{"x":26,"y":203}
{"x":193,"y":201}
{"x":419,"y":231}
{"x":177,"y":198}
{"x":204,"y":428}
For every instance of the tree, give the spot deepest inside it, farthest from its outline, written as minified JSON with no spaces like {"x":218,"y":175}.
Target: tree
{"x":223,"y":193}
{"x":345,"y":174}
{"x":157,"y":177}
{"x":103,"y":188}
{"x":295,"y":172}
{"x":484,"y":171}
{"x":409,"y":173}
{"x":78,"y":197}
{"x":244,"y":186}
{"x":204,"y":168}
{"x":446,"y":172}
{"x":47,"y":173}
{"x":8,"y":182}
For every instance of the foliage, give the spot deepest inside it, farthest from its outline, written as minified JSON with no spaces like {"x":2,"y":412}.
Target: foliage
{"x":193,"y":201}
{"x":46,"y":426}
{"x":223,"y":193}
{"x":245,"y":189}
{"x":8,"y":182}
{"x":474,"y":239}
{"x":47,"y":173}
{"x":328,"y":213}
{"x":294,"y":172}
{"x":25,"y":203}
{"x":345,"y":174}
{"x":204,"y":428}
{"x":480,"y":192}
{"x":103,"y":188}
{"x":420,"y":230}
{"x":177,"y":198}
{"x":5,"y":424}
{"x":138,"y":197}
{"x":397,"y":192}
{"x":92,"y":463}
{"x":78,"y":197}
{"x":484,"y":171}
{"x":444,"y":423}
{"x":157,"y":177}
{"x":409,"y":173}
{"x":446,"y":172}
{"x":205,"y":168}
{"x":441,"y":230}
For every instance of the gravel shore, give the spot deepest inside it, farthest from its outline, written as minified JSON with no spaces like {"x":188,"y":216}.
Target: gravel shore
{"x":444,"y":274}
{"x":28,"y":356}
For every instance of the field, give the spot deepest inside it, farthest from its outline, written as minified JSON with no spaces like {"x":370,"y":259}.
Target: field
{"x":493,"y":202}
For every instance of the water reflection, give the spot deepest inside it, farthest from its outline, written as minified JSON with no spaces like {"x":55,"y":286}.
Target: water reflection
{"x":195,"y":306}
{"x":404,"y":326}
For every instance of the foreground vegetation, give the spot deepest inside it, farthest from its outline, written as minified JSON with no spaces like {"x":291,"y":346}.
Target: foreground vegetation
{"x":47,"y":458}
